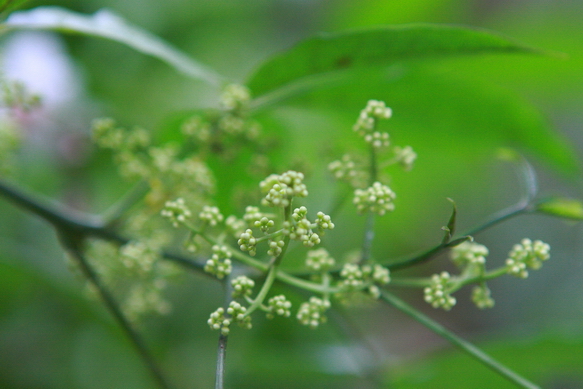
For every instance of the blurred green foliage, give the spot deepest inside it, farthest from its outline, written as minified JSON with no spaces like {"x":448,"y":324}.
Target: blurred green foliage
{"x":455,"y":112}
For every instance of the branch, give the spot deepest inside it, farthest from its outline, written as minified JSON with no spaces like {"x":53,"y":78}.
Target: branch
{"x":80,"y":224}
{"x":515,"y":210}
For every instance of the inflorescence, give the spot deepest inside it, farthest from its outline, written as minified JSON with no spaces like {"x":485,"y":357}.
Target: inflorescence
{"x":470,"y":257}
{"x":286,"y":223}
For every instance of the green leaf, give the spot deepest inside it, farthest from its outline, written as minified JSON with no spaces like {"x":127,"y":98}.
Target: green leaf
{"x":439,"y":114}
{"x":450,"y":228}
{"x":562,"y":207}
{"x":329,"y":53}
{"x":108,"y":25}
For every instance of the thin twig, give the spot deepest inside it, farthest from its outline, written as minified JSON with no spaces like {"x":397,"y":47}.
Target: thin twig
{"x":72,"y":244}
{"x":221,"y":356}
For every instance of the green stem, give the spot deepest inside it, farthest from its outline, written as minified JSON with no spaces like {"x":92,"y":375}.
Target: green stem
{"x":515,"y":210}
{"x":269,"y":236}
{"x":459,"y":342}
{"x":370,"y":217}
{"x":458,"y":281}
{"x":263,"y":292}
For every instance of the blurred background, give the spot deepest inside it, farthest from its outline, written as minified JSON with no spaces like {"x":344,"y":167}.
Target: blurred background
{"x":455,"y":113}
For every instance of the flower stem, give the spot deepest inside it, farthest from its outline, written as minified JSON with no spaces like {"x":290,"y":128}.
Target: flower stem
{"x":459,"y":342}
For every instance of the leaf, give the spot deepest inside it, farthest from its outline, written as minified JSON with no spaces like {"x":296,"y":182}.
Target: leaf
{"x":562,"y":207}
{"x":329,"y":53}
{"x":450,"y":228}
{"x":108,"y":25}
{"x":439,"y":114}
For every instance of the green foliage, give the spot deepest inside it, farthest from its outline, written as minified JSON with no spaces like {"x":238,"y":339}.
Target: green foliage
{"x":377,"y":47}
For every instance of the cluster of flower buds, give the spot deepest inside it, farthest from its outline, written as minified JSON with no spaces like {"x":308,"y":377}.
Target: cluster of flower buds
{"x":242,"y":286}
{"x":377,"y":198}
{"x":235,"y":96}
{"x":344,"y":169}
{"x":319,"y":260}
{"x":176,"y":211}
{"x":351,"y":276}
{"x":264,"y":224}
{"x":438,"y":292}
{"x":281,"y":188}
{"x":138,"y":255}
{"x":196,"y":127}
{"x":220,"y":262}
{"x":481,"y":296}
{"x":247,"y":242}
{"x":300,"y":228}
{"x":366,"y":123}
{"x":238,"y":313}
{"x":355,"y":277}
{"x":405,"y":156}
{"x":469,"y":253}
{"x":311,"y":313}
{"x":218,"y":320}
{"x":252,"y":214}
{"x":235,"y":226}
{"x":527,"y":254}
{"x":275,"y":247}
{"x":278,"y":305}
{"x":211,"y":215}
